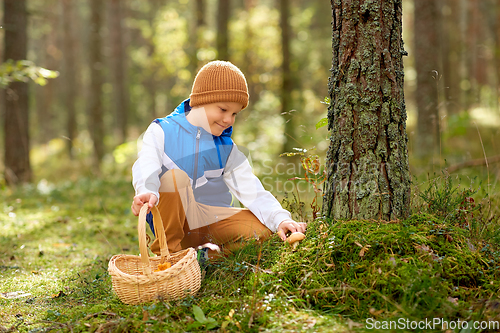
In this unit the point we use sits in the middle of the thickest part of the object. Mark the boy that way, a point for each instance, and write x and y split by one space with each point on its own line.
189 166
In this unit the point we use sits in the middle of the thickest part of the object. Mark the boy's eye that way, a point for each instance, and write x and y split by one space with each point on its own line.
223 109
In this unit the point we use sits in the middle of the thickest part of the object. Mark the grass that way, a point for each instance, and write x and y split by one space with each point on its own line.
57 243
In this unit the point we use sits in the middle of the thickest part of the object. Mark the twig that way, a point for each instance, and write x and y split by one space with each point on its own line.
267 271
473 163
108 314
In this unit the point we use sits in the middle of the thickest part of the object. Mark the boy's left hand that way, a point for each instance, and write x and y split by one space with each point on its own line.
292 226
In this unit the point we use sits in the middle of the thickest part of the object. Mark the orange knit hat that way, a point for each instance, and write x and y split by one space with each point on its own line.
219 81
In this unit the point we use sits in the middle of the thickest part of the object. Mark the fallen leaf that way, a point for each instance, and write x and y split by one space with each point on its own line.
145 315
453 300
363 250
374 312
61 245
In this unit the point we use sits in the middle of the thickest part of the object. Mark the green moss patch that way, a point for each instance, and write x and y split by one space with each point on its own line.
418 268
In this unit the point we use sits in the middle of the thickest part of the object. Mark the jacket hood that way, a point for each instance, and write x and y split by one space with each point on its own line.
182 109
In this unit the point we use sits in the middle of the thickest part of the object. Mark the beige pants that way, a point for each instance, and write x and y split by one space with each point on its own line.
188 223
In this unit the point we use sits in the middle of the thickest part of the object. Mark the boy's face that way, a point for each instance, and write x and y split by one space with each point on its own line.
220 116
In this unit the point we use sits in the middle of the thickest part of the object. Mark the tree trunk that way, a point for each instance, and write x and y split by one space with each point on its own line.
197 27
497 52
120 95
367 161
200 13
96 125
482 45
451 41
427 68
222 33
16 125
469 52
287 83
151 81
70 72
45 99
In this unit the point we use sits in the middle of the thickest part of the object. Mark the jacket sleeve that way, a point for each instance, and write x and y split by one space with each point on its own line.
248 189
147 168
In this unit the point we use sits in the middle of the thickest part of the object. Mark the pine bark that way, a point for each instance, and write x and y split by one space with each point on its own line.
367 161
16 122
427 68
96 125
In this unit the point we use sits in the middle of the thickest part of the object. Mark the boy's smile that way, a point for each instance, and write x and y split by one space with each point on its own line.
214 117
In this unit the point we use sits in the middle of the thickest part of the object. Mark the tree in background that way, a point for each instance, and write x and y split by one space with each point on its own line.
16 126
70 71
367 161
286 81
428 75
450 43
496 34
197 27
45 97
223 13
95 122
118 69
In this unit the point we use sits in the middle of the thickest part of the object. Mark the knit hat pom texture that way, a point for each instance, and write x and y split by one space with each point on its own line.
219 81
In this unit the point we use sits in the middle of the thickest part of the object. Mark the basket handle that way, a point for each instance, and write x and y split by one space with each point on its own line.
159 231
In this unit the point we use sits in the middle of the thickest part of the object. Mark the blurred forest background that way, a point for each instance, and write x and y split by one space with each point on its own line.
123 63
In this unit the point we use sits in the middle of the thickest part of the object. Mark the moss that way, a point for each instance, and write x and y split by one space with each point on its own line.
411 269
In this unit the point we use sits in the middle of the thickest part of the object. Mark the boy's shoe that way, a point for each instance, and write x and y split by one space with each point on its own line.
202 254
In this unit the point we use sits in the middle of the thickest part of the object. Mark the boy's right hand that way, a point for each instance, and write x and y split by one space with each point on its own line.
141 199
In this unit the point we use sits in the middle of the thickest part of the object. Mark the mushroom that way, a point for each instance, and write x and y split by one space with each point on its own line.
295 238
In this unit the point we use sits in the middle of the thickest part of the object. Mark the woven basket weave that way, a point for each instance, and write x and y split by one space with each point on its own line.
134 278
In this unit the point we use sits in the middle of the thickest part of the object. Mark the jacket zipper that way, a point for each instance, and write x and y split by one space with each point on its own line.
195 176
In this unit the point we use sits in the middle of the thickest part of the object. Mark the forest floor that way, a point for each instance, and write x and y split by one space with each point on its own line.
439 270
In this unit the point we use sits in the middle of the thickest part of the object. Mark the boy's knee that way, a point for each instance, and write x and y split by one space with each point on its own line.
174 177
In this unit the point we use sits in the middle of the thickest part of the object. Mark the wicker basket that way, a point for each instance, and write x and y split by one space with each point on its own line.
134 278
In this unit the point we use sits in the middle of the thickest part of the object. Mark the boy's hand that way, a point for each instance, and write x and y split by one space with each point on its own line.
141 199
292 226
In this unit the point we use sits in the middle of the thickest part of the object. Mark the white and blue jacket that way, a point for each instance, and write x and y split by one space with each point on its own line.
214 164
